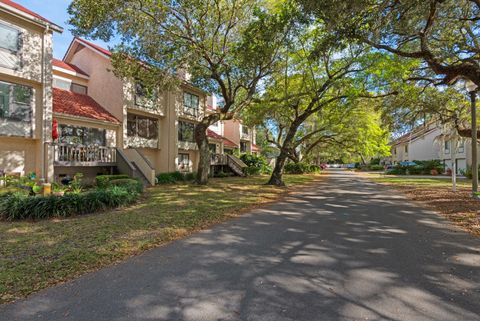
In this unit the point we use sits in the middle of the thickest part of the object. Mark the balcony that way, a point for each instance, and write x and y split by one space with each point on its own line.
80 155
245 136
218 159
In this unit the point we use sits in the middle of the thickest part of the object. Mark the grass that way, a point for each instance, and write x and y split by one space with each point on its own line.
436 193
35 255
437 182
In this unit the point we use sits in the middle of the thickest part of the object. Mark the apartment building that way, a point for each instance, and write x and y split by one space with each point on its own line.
242 135
61 117
429 142
25 90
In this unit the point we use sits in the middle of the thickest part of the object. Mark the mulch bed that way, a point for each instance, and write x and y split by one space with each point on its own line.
458 207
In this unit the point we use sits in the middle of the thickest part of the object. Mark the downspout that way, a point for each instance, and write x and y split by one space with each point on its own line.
44 154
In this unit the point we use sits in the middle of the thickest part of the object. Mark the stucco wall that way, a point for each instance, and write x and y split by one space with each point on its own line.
19 155
425 147
34 70
103 86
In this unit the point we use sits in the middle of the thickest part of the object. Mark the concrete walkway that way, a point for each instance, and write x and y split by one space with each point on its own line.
345 249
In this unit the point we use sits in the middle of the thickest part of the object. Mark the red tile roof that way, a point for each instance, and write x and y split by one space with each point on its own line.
96 47
255 148
226 142
212 134
25 10
68 102
62 64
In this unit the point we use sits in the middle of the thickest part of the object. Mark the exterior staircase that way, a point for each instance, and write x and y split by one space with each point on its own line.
134 164
235 164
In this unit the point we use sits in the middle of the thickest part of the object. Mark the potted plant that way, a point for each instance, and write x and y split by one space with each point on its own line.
58 189
37 189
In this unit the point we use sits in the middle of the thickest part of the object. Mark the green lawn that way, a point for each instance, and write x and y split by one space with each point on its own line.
445 182
35 255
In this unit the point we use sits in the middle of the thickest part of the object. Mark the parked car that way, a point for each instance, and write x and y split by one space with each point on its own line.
408 163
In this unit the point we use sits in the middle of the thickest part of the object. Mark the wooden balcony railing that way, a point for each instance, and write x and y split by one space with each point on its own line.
218 159
81 155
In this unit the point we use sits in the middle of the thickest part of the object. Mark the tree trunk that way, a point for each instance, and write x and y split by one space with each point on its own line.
204 152
276 178
285 152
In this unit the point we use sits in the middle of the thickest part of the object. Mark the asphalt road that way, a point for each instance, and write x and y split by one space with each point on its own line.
344 249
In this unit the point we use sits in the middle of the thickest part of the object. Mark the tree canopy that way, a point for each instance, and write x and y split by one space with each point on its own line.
442 33
228 46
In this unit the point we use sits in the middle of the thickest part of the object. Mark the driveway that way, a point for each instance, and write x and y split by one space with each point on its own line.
343 249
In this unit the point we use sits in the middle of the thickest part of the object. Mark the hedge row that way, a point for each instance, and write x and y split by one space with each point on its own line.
301 168
174 177
17 206
103 180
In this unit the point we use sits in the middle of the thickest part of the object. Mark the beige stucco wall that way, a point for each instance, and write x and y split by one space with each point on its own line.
425 147
117 96
232 130
103 86
19 155
35 70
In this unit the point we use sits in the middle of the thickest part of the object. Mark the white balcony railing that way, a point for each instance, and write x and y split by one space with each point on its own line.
81 155
245 136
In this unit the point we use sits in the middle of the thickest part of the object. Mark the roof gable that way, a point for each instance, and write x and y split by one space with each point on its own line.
74 104
21 8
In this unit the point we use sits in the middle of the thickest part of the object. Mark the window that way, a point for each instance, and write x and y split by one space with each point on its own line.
406 149
186 131
244 130
68 85
461 146
144 97
141 126
190 104
15 109
184 162
243 147
9 38
395 151
447 147
213 148
79 89
82 135
61 84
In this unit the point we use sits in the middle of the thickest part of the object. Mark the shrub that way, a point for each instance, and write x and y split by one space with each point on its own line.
190 176
256 164
425 167
397 170
103 180
222 174
375 167
16 206
128 183
174 177
178 177
301 168
468 172
165 178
